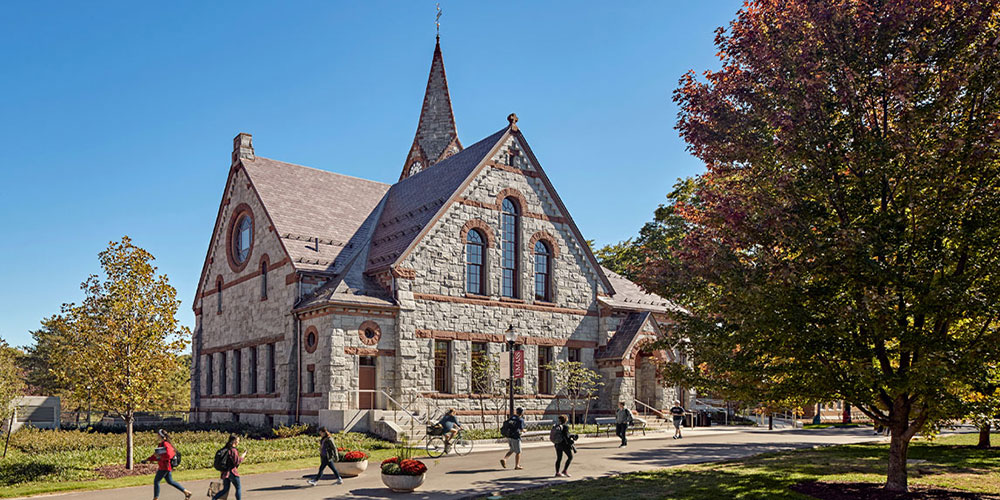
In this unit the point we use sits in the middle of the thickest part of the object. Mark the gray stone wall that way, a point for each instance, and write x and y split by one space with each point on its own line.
244 318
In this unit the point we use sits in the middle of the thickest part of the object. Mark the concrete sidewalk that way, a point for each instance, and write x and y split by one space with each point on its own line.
480 474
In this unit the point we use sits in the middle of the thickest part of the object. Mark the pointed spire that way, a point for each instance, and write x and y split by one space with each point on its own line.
436 137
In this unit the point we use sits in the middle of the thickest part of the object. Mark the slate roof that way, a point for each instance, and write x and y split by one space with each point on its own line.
413 202
627 331
628 295
307 204
436 127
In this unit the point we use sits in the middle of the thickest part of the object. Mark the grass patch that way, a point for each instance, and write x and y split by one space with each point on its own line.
43 461
948 462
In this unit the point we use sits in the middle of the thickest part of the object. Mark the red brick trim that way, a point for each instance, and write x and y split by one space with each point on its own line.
238 212
369 351
546 237
312 394
242 396
524 213
348 311
291 278
310 347
369 325
513 170
499 338
483 228
246 277
403 272
498 303
242 345
512 193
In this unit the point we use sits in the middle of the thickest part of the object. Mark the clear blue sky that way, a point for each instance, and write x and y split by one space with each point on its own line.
117 118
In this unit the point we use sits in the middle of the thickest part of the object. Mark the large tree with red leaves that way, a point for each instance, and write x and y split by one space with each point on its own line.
844 241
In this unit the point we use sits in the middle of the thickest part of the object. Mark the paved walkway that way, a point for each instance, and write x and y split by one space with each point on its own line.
480 474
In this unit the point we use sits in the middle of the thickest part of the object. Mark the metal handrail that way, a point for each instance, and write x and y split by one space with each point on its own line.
654 410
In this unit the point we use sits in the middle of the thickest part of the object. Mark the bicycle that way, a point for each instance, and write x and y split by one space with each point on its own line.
458 444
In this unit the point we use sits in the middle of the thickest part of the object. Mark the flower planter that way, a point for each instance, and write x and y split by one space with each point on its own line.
351 469
403 484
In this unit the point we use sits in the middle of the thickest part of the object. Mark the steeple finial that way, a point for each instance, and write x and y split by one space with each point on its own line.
436 137
437 21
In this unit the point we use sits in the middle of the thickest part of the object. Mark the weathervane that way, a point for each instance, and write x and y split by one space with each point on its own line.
437 20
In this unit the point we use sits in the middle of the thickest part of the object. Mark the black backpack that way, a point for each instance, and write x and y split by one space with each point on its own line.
223 460
175 461
511 428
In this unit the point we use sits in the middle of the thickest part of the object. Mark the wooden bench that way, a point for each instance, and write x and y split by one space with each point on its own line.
608 425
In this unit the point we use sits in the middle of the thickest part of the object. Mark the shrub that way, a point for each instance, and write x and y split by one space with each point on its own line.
285 431
391 469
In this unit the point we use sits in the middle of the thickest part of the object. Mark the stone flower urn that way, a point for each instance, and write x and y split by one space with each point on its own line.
351 469
403 483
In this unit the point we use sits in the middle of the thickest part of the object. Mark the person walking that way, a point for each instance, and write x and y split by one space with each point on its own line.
449 427
164 456
563 441
623 419
230 473
678 412
327 456
512 429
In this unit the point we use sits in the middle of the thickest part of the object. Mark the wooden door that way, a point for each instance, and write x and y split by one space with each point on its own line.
366 383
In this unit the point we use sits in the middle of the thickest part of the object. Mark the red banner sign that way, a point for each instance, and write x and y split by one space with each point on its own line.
518 364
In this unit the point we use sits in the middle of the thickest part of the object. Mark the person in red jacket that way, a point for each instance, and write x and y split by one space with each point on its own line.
232 475
162 457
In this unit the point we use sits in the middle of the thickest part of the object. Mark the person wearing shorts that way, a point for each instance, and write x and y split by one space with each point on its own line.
514 441
677 412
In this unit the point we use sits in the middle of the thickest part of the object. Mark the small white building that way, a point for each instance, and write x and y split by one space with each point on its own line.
37 411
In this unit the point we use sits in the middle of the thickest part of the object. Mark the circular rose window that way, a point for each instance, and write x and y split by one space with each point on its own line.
369 332
312 339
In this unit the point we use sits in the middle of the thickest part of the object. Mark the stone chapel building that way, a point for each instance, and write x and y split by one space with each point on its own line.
323 293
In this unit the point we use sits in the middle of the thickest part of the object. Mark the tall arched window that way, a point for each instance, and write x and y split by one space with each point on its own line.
543 268
263 280
509 246
474 268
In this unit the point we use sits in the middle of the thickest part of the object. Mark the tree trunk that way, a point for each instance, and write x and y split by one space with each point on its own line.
770 421
984 437
129 441
899 443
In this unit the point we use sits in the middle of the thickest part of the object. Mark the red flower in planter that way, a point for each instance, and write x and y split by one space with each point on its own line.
412 467
391 460
354 456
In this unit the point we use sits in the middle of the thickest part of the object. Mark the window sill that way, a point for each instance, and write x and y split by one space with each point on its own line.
513 301
545 303
476 296
311 394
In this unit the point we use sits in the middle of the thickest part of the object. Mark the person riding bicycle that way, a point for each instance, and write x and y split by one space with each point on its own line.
449 427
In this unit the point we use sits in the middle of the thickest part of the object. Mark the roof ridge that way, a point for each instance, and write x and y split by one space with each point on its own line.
321 170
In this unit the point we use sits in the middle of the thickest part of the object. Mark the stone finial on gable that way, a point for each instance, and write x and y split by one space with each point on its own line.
512 120
242 147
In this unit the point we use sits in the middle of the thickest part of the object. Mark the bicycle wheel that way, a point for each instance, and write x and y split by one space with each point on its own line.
435 447
461 445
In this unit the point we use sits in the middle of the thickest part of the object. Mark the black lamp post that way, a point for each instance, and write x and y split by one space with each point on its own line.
511 338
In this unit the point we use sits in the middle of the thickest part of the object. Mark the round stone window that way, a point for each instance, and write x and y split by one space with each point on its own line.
242 237
312 339
369 333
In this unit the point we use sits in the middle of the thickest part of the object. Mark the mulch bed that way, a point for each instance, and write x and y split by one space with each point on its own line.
116 471
869 491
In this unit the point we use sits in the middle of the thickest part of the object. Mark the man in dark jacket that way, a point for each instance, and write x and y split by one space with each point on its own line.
327 456
623 419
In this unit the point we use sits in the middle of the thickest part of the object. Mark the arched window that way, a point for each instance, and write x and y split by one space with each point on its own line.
263 280
508 263
241 239
543 268
474 268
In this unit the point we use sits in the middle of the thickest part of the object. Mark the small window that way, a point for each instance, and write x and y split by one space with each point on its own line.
272 368
574 354
237 372
263 280
474 268
311 380
442 360
509 248
253 370
242 239
543 265
544 373
480 369
312 340
223 387
210 375
218 296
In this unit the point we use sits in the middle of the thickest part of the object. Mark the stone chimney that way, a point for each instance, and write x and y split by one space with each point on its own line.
242 147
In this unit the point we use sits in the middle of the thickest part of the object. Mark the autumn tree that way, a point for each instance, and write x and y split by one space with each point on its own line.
124 340
11 382
843 240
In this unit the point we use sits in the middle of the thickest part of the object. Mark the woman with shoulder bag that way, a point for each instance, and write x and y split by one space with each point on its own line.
163 456
327 456
563 441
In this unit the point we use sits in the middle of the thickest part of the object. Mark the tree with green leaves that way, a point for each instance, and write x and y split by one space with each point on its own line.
843 240
11 382
124 340
578 382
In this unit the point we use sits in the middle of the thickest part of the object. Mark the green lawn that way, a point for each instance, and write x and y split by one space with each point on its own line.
51 461
949 462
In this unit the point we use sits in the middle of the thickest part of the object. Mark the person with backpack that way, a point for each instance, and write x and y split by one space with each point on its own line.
327 456
678 412
166 458
623 419
227 461
559 436
511 430
449 427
